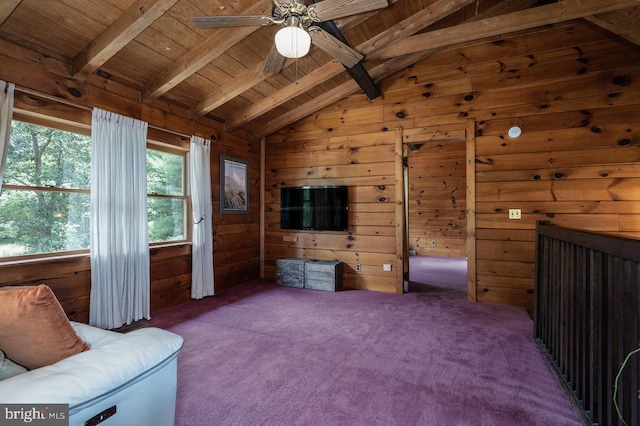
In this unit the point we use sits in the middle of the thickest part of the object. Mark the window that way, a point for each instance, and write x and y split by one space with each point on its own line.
166 199
45 198
44 204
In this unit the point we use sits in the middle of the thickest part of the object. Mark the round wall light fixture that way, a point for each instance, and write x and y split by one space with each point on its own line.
514 132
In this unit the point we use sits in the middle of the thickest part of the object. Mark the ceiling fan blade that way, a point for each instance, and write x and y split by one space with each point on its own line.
231 21
334 9
334 47
274 61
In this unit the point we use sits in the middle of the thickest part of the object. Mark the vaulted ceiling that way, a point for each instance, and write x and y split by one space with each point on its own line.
153 49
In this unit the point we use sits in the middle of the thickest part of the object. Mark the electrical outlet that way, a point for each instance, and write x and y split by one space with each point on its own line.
386 267
358 267
515 214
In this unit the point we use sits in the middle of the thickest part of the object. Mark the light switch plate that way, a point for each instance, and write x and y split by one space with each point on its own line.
386 267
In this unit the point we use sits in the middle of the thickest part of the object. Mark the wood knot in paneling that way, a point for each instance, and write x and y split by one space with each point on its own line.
621 80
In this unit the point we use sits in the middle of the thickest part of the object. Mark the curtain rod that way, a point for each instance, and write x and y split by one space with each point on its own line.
75 104
28 91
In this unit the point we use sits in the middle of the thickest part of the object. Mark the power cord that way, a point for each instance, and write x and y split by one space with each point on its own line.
615 387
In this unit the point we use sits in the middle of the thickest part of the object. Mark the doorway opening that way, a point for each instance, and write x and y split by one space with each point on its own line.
436 213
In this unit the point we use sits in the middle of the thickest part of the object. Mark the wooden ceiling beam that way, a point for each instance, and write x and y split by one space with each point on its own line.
225 93
411 25
358 72
544 15
219 40
6 8
379 72
121 32
214 46
620 23
416 22
310 80
254 76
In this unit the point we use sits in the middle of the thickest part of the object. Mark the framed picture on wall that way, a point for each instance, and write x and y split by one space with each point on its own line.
234 185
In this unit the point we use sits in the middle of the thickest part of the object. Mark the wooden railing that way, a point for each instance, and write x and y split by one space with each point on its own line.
587 319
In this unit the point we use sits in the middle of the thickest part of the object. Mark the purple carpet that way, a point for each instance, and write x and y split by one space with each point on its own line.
441 272
260 354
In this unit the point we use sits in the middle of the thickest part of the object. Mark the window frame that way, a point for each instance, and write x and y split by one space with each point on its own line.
84 129
64 126
185 196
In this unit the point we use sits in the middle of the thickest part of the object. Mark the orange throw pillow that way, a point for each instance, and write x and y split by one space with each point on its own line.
34 329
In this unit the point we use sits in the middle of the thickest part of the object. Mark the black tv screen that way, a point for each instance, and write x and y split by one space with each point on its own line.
319 208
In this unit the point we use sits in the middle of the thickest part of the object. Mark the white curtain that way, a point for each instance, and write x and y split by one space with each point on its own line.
6 114
119 226
202 251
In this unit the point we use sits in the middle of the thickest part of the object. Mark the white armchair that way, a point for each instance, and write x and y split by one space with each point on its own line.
135 372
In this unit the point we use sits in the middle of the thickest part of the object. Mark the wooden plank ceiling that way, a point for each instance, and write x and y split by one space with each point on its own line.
153 48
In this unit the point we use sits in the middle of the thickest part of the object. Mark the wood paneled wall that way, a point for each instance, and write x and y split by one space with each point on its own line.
236 241
364 161
70 278
572 88
437 199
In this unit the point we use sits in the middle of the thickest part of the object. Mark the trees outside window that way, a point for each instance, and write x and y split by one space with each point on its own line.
44 204
45 198
166 199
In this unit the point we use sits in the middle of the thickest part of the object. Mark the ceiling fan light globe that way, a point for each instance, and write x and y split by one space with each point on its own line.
293 42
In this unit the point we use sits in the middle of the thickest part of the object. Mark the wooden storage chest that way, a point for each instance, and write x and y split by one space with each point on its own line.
323 275
309 273
290 272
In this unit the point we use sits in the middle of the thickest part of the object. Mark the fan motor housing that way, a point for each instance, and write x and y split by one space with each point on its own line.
303 15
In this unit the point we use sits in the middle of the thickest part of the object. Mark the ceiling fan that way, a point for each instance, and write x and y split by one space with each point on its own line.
298 30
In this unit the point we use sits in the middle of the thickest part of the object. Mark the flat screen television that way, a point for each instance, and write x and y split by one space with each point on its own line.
318 208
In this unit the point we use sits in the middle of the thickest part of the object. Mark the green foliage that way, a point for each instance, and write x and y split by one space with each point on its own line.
166 219
45 157
164 173
45 219
165 177
39 221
